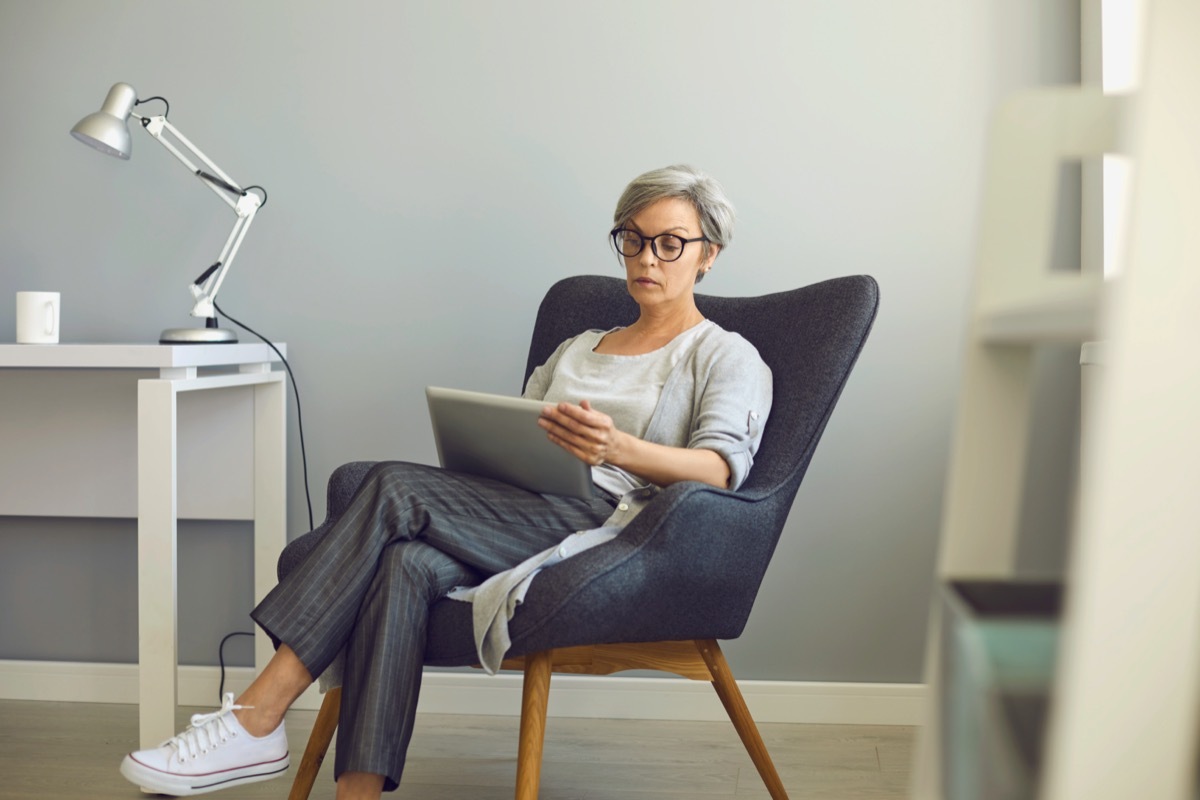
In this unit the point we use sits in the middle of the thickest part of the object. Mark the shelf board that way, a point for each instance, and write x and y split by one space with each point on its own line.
1057 312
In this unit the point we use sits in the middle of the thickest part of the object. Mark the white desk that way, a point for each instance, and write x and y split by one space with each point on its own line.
71 442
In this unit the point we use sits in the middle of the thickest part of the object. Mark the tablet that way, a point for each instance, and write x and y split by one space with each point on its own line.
496 436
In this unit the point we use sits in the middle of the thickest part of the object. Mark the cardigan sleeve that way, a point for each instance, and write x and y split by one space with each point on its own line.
735 389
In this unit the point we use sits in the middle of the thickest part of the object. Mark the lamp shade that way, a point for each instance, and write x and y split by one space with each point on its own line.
107 130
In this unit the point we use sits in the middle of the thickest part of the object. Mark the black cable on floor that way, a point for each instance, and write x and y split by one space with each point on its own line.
221 657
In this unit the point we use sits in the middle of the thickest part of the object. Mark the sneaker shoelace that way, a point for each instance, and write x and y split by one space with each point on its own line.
207 731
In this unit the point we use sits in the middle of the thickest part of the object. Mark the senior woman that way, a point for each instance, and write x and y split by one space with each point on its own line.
672 397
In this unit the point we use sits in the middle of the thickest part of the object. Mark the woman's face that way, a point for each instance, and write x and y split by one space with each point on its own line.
657 284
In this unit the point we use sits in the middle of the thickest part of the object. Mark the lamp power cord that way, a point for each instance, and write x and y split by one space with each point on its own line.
296 392
303 459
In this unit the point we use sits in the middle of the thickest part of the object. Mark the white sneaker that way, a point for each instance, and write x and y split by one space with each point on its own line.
215 752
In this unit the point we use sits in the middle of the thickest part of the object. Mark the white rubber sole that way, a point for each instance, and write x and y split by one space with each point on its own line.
188 785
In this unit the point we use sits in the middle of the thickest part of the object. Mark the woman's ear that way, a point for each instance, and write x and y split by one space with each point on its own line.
713 249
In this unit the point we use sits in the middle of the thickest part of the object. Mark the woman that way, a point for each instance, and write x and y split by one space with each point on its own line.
672 397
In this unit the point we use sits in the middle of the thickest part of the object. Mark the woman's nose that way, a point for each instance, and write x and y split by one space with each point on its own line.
647 255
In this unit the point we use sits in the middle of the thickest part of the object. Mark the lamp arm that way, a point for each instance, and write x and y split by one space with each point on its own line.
245 205
205 290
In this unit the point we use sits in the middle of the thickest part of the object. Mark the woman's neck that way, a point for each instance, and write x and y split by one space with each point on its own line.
666 325
649 333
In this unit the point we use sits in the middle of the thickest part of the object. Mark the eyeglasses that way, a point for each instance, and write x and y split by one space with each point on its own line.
665 246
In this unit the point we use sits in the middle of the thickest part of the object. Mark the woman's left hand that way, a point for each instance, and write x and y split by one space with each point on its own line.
583 431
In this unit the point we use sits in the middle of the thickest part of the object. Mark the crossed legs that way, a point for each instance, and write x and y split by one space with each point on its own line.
410 535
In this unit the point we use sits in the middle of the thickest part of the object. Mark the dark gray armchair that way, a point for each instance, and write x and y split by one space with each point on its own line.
686 571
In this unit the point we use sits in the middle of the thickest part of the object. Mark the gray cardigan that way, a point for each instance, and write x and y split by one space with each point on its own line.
717 398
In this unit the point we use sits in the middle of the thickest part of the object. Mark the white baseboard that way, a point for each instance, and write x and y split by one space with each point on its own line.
612 697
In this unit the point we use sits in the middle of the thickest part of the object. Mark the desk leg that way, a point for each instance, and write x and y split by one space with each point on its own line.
270 497
158 641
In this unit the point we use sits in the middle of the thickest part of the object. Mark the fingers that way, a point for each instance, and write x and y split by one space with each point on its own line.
581 419
584 432
589 452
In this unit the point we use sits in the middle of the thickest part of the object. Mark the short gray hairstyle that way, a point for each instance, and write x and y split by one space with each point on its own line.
702 191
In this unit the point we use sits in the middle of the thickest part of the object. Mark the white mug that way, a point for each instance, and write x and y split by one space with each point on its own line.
37 317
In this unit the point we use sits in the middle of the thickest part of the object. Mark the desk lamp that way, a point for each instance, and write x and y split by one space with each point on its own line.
107 130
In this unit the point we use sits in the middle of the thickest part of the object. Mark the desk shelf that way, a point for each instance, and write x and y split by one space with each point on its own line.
134 356
98 430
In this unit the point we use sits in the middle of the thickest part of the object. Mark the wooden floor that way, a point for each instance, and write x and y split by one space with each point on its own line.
56 751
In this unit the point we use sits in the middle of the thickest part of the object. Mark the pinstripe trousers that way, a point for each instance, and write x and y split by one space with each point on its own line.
411 533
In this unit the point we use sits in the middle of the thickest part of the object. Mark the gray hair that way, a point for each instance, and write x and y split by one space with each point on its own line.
688 183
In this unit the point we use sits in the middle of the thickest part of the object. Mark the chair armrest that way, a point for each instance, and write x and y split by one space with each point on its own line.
339 491
671 574
343 485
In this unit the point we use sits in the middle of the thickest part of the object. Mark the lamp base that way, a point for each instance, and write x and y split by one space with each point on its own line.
197 336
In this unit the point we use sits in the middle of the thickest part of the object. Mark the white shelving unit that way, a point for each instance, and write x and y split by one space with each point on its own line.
1125 702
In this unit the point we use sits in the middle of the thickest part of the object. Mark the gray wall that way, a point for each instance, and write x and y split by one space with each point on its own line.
433 167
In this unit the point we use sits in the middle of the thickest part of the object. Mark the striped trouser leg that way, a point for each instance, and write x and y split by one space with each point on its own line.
382 673
471 527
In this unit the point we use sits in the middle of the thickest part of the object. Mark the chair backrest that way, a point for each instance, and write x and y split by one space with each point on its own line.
809 337
690 565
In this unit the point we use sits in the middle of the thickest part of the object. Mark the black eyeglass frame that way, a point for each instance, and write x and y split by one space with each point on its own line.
653 246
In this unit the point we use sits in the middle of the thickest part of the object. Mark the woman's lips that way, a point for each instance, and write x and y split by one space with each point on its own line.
645 282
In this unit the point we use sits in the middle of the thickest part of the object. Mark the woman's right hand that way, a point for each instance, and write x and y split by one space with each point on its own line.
581 430
591 436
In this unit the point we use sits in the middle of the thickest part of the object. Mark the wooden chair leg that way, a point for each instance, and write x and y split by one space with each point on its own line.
318 745
535 694
739 714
